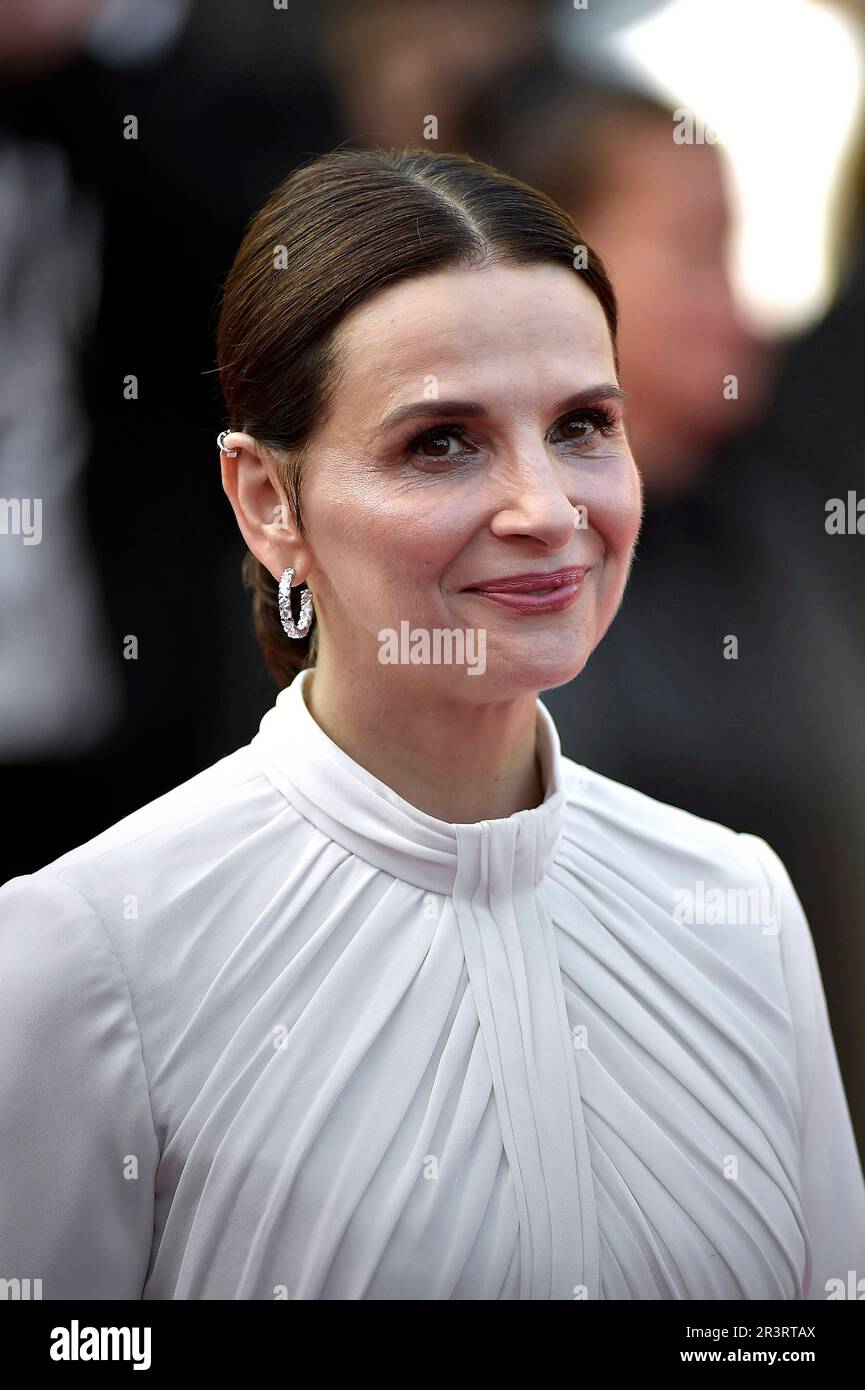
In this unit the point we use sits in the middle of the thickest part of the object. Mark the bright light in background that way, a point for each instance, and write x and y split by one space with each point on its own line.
780 82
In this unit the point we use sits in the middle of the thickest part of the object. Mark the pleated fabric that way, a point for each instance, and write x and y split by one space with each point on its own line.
280 1034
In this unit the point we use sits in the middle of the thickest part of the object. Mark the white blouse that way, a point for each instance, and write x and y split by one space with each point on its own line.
279 1034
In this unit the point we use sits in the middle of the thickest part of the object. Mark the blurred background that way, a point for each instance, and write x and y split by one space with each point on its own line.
714 155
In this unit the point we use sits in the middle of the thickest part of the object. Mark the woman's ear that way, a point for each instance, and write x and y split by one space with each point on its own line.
251 479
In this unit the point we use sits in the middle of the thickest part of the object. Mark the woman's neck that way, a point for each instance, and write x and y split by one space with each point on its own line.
458 761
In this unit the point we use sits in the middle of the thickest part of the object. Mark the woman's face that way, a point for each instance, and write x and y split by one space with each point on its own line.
474 435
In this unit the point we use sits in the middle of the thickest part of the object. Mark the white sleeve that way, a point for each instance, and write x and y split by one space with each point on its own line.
833 1189
78 1148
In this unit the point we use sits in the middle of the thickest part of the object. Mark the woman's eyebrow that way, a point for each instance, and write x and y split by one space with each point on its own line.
608 390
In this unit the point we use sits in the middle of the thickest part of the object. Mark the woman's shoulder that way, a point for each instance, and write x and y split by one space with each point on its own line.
211 808
693 879
116 912
666 840
148 861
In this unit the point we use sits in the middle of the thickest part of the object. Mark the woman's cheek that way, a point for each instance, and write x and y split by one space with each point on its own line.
621 513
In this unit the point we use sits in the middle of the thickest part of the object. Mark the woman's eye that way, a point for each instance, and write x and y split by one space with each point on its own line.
436 444
581 428
576 428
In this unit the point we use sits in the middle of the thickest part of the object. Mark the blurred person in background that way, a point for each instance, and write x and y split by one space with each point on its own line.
395 63
816 421
118 121
60 691
736 659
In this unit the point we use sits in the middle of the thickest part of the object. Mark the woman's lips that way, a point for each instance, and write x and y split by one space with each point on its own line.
535 593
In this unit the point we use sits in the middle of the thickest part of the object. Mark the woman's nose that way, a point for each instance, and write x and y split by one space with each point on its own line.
531 500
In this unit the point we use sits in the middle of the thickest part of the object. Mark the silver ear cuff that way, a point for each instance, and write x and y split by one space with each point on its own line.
220 439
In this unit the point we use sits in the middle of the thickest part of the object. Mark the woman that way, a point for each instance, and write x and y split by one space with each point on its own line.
396 1002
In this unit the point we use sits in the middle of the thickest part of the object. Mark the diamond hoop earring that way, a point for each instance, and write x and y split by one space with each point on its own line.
304 622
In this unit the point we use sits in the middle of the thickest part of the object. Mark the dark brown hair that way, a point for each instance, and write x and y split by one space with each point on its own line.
330 236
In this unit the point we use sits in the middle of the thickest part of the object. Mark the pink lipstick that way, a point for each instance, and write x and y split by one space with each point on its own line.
535 592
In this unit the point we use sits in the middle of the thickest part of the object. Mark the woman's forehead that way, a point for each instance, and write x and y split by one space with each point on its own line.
456 324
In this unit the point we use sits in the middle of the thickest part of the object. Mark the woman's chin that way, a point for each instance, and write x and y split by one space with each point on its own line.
507 675
550 674
541 664
480 664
